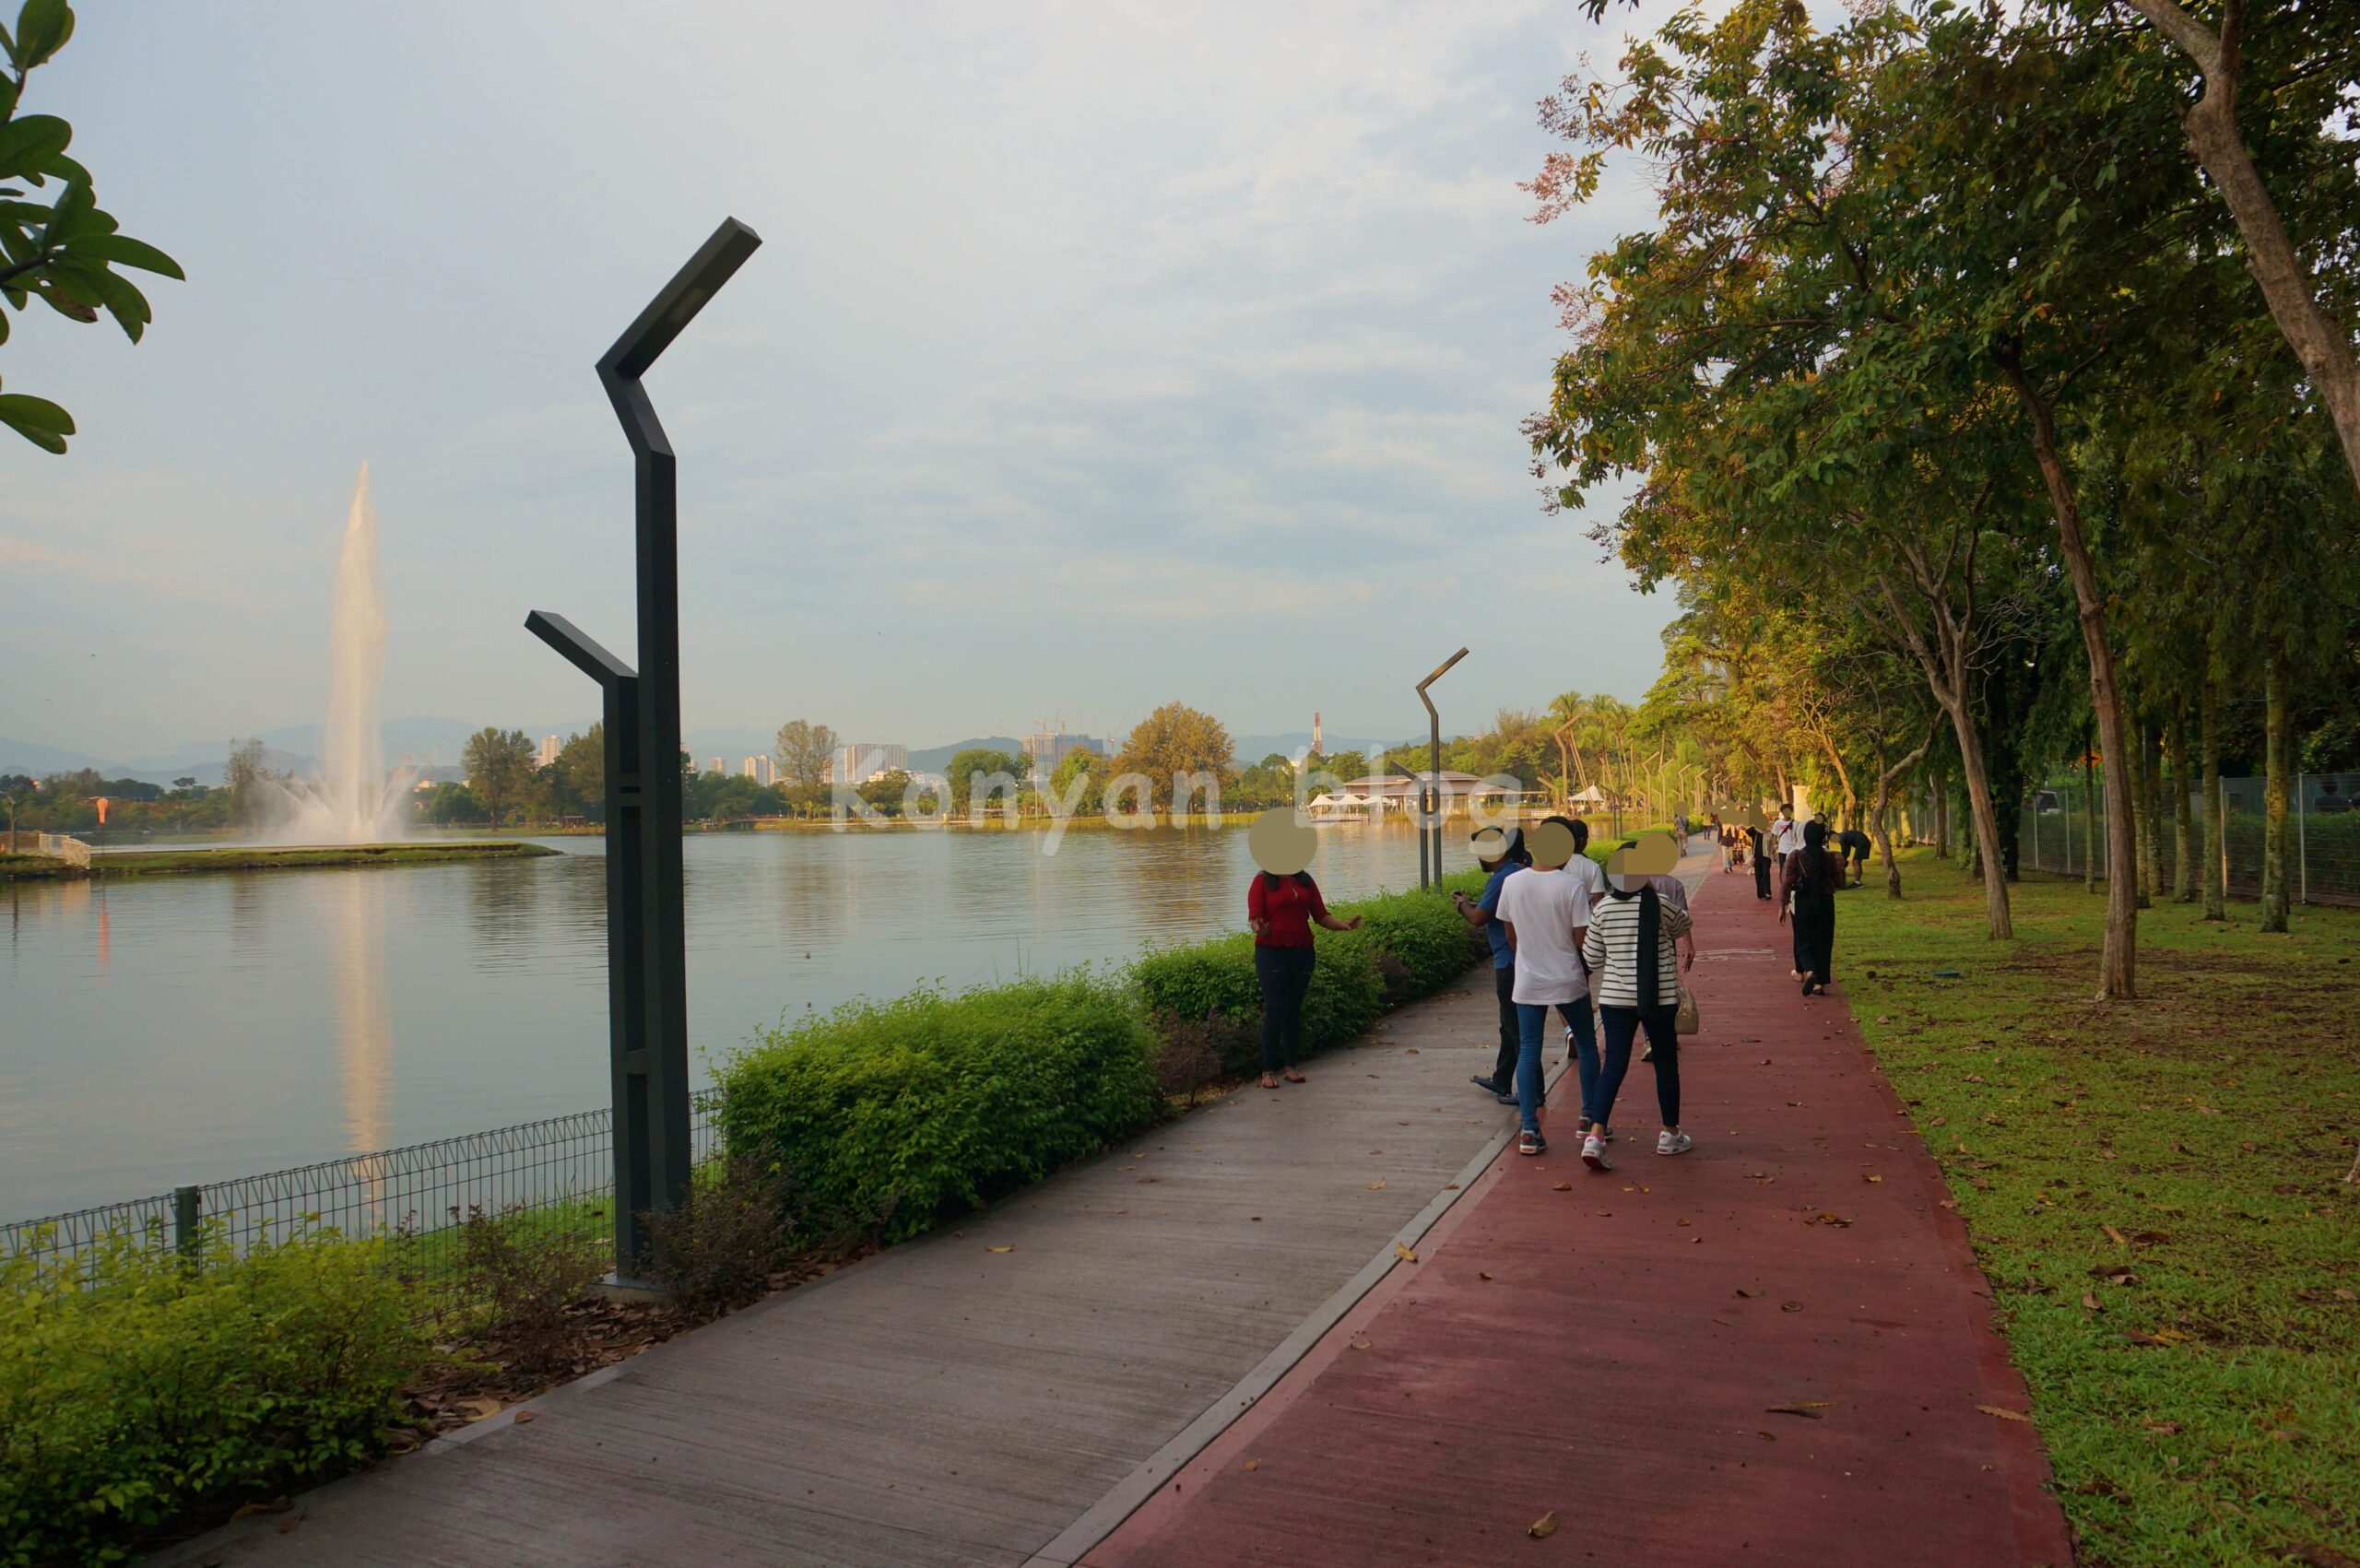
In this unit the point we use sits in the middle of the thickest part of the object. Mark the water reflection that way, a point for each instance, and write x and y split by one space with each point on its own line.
246 1023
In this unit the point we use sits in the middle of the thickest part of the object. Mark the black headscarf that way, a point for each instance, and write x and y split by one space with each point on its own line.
1516 853
1814 855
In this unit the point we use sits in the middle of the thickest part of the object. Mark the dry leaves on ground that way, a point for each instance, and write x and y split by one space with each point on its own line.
1807 1408
1404 1252
2004 1415
1542 1528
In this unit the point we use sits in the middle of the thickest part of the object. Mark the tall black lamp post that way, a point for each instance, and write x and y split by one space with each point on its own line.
647 1002
1430 797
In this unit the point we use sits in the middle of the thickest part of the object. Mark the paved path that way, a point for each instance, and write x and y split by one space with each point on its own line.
943 1403
1614 1354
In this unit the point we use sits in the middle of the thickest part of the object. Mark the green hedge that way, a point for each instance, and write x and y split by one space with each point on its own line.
884 1114
158 1392
1409 947
887 1116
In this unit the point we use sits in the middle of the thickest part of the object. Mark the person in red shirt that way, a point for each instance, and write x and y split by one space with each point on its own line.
1280 909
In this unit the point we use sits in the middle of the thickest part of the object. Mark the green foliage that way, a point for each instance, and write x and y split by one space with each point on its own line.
64 251
885 1114
1409 946
161 1392
719 1248
529 1273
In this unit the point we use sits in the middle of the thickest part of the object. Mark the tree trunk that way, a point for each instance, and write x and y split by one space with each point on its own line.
2183 813
1998 924
1877 813
1942 817
2089 822
2323 346
2216 815
2151 812
2277 781
2118 963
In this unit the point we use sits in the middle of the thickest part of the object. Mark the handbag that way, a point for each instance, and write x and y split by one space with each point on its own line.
1685 1018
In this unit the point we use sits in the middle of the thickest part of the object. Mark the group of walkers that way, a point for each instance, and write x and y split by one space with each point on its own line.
1554 920
1559 930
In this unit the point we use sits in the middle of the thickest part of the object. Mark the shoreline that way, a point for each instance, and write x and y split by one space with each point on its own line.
106 866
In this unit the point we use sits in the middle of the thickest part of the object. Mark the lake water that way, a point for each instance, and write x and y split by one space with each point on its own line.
190 1029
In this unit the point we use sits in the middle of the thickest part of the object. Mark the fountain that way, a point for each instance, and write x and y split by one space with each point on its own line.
355 800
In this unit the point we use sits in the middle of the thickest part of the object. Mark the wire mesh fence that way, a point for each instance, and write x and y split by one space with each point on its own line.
2062 830
553 1179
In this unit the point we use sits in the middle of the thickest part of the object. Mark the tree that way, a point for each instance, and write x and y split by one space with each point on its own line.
804 751
245 775
581 771
990 771
500 769
2299 104
1174 742
64 252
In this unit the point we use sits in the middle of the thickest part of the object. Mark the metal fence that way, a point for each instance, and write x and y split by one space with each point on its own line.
2322 837
556 1177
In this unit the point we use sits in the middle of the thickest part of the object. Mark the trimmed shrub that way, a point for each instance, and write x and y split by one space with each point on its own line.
883 1116
1417 940
160 1391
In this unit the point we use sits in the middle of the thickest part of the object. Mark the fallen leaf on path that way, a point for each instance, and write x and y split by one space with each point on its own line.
999 1249
1688 1221
1809 1408
1824 1219
1481 1273
1542 1528
1253 1464
1562 1186
523 1415
1749 1295
1871 1177
2003 1414
1363 1344
1790 1306
1377 1185
249 1510
1404 1253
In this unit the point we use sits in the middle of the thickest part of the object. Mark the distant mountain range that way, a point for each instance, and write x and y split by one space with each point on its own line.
436 743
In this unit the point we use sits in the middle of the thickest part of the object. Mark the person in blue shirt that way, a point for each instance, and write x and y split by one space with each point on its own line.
1501 853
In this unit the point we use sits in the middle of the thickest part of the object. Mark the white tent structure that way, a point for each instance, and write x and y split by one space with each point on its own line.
1588 796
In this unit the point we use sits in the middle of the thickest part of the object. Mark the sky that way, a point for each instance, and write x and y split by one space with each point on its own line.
1098 356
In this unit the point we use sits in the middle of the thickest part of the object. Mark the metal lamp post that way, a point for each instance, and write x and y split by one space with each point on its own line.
647 1009
1430 797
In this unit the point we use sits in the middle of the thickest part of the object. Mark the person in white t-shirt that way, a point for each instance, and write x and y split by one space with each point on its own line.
1546 913
1786 832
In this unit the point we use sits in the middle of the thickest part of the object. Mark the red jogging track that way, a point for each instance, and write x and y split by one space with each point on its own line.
1615 1354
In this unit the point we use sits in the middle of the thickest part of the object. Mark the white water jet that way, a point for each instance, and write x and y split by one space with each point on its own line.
355 799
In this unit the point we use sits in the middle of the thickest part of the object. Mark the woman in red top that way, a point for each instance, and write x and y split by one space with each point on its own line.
1280 909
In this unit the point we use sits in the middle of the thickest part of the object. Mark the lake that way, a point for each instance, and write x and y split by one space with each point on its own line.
189 1029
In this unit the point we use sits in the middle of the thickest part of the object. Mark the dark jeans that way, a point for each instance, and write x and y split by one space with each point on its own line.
1285 973
1761 878
1622 1024
1504 1070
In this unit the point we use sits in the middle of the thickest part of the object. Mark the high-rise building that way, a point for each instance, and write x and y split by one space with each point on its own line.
860 760
712 765
762 770
550 746
1314 734
1048 746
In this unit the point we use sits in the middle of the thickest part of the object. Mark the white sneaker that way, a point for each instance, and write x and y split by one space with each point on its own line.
1669 1143
1593 1153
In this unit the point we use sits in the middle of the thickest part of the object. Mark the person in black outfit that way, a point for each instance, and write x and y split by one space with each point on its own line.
1855 846
1812 876
1761 863
1501 855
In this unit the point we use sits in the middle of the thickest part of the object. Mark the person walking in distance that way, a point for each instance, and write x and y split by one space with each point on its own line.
1760 843
1808 883
1545 911
1500 854
1786 833
1281 907
1629 943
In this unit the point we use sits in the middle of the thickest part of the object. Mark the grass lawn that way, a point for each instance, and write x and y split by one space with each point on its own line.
2155 1190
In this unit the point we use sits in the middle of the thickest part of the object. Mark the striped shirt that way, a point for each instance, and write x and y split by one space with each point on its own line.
1612 949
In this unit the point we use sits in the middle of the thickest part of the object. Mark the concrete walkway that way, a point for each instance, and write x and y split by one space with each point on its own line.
1772 1350
948 1403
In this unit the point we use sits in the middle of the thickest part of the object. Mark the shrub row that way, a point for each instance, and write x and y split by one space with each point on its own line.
157 1391
885 1116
